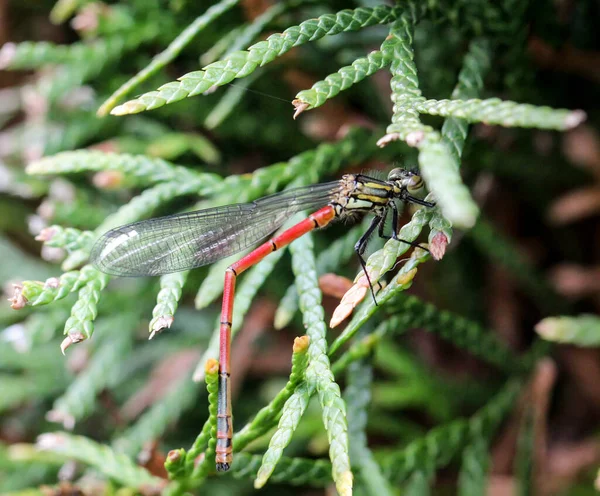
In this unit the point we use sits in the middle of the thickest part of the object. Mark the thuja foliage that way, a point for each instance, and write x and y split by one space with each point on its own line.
372 84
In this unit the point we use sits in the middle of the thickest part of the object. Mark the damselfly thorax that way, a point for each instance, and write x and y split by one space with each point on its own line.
360 193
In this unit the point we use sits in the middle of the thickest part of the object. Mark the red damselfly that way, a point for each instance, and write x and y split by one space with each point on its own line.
185 241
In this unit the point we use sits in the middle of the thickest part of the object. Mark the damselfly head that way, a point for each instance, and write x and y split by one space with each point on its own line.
406 180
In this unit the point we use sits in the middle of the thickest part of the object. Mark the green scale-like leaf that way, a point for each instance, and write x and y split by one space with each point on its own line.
318 372
69 238
267 416
358 399
80 325
167 300
138 170
295 471
503 113
157 419
441 444
163 58
201 470
291 413
63 9
105 460
405 82
101 372
472 480
243 63
42 293
333 84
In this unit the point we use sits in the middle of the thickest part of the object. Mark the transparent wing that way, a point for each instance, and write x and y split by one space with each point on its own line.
184 241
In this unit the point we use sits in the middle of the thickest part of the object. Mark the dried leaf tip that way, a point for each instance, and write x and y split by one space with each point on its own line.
420 251
387 139
334 285
300 107
414 138
18 300
175 455
162 322
88 18
71 339
211 90
438 245
301 344
597 482
67 420
108 179
580 330
49 441
211 367
351 299
344 483
130 107
549 328
7 54
407 277
52 282
575 118
46 234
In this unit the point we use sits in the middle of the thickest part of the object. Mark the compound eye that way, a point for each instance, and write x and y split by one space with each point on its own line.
414 184
396 174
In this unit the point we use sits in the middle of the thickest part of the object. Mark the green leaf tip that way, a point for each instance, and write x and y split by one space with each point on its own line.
175 463
339 81
582 330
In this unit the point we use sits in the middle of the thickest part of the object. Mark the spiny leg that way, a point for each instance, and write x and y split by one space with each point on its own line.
361 245
224 448
382 226
395 229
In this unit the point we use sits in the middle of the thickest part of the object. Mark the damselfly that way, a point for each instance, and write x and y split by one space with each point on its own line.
185 241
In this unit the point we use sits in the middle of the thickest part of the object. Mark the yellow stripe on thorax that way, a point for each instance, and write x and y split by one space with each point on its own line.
377 186
372 198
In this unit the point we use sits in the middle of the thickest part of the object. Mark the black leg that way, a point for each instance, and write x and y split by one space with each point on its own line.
360 247
395 228
394 219
418 201
361 244
382 225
